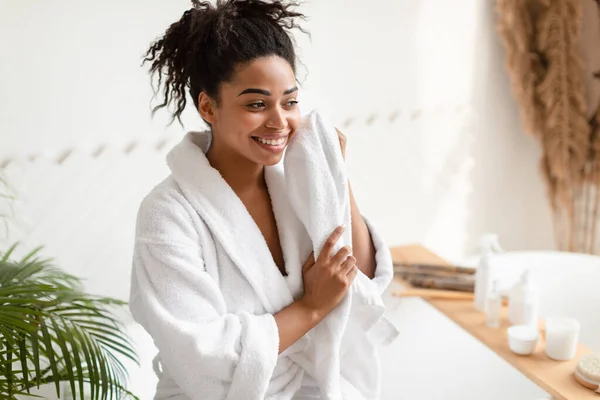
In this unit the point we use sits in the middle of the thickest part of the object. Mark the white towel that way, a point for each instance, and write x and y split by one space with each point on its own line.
317 187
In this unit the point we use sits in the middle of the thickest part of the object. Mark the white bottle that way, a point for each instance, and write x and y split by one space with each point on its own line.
483 275
493 308
524 302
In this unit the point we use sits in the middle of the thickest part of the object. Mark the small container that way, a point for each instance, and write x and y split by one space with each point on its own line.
493 308
562 337
524 302
484 272
522 339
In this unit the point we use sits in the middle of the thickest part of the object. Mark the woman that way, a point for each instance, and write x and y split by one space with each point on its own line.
193 238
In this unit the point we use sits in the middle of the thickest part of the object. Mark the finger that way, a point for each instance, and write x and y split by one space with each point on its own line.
329 244
348 265
352 274
309 263
341 255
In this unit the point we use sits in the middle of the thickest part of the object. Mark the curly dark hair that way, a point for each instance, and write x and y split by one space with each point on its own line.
202 49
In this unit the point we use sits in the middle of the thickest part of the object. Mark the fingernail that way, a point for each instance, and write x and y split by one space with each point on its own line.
341 228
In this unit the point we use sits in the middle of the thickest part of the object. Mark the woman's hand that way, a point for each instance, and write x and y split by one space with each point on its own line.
343 141
327 279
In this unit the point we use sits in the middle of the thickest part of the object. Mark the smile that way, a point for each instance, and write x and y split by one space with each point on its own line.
271 142
273 145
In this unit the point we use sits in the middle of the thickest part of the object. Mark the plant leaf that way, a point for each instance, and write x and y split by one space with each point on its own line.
59 331
80 337
76 355
24 367
11 322
36 357
103 370
8 373
91 367
8 253
31 254
50 354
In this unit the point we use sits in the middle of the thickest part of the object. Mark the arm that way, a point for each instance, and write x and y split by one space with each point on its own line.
362 245
372 254
293 322
325 283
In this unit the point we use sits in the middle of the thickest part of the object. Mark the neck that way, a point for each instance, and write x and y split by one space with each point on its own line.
239 172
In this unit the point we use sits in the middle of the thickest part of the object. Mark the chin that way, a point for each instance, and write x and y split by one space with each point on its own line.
270 161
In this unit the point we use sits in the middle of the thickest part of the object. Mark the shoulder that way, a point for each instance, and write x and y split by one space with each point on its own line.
165 215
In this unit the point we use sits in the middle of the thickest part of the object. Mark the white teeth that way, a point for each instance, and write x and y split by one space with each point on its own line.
277 142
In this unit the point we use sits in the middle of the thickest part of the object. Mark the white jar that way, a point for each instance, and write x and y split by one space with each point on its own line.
562 337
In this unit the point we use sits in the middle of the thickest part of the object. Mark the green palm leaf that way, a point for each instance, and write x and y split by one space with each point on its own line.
51 331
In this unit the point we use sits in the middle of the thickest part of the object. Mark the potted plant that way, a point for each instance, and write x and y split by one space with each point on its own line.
52 332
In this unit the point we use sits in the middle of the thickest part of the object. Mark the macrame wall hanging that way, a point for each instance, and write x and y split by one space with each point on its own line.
553 59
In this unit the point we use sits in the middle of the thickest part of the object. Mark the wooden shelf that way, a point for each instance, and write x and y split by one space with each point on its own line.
555 377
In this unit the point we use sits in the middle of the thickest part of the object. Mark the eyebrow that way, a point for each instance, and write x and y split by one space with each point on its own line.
266 92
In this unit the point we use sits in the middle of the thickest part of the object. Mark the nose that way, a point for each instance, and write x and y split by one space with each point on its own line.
277 119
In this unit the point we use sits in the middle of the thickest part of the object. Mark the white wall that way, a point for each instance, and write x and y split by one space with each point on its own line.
436 151
454 162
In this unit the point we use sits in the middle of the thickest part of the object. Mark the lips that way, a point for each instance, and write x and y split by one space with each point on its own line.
273 144
273 141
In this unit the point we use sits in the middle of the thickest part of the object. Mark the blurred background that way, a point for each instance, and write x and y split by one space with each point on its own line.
437 152
436 147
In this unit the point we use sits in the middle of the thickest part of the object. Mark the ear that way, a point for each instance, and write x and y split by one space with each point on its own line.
207 108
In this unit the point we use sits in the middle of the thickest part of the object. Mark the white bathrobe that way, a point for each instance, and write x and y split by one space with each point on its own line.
205 287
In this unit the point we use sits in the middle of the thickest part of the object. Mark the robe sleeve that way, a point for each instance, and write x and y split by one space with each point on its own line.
384 268
210 353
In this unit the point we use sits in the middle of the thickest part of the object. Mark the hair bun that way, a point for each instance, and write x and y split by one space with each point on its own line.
278 12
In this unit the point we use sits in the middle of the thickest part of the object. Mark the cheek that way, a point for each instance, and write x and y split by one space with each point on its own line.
240 121
251 120
294 120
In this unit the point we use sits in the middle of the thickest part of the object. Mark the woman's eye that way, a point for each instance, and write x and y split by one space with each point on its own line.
292 103
256 105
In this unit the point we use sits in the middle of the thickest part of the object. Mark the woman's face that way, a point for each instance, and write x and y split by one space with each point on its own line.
258 112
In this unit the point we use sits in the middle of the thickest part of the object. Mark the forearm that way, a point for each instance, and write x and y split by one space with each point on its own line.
293 322
362 245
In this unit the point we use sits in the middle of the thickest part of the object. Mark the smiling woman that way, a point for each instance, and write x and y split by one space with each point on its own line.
257 112
222 286
272 142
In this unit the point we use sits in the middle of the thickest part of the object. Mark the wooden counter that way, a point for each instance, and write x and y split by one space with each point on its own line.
554 377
